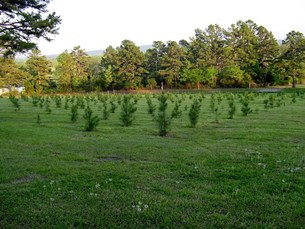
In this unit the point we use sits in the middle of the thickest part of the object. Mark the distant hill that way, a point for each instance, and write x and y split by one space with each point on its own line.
99 52
90 53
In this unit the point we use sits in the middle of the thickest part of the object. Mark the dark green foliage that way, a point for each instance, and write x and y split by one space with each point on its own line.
24 98
25 20
136 98
245 108
293 98
41 102
58 102
128 109
232 106
47 106
38 119
215 105
280 100
163 119
91 120
269 103
15 101
67 99
177 112
119 99
74 113
35 100
106 111
186 107
194 112
80 102
151 106
113 106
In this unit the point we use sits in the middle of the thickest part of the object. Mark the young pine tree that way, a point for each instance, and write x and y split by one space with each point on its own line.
74 113
106 111
177 112
194 112
47 106
215 106
232 106
163 119
15 101
113 106
245 108
151 107
91 121
128 109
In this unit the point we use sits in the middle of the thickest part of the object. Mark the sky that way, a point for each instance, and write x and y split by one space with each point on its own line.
96 24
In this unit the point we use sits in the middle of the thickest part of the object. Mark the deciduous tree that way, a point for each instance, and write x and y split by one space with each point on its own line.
10 73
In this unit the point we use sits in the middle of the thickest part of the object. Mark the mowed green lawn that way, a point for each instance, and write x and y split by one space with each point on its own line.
246 172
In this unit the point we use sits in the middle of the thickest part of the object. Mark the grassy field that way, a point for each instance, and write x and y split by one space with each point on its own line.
245 172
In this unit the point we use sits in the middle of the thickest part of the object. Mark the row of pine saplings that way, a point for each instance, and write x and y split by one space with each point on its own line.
160 114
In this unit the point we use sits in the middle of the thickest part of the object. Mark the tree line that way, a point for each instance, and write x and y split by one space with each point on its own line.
244 55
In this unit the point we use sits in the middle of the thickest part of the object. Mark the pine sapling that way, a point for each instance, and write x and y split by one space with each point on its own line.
128 109
232 106
47 106
163 119
269 103
215 106
15 101
91 121
24 98
194 112
41 102
35 100
177 112
106 111
74 113
151 106
293 98
67 99
245 106
113 106
57 101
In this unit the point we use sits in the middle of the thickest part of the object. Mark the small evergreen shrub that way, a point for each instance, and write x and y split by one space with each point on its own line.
245 108
163 119
177 112
232 106
15 101
151 107
58 102
128 109
215 106
35 100
113 106
91 120
106 111
194 112
74 113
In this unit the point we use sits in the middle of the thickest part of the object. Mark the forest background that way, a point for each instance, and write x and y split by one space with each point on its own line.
243 55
